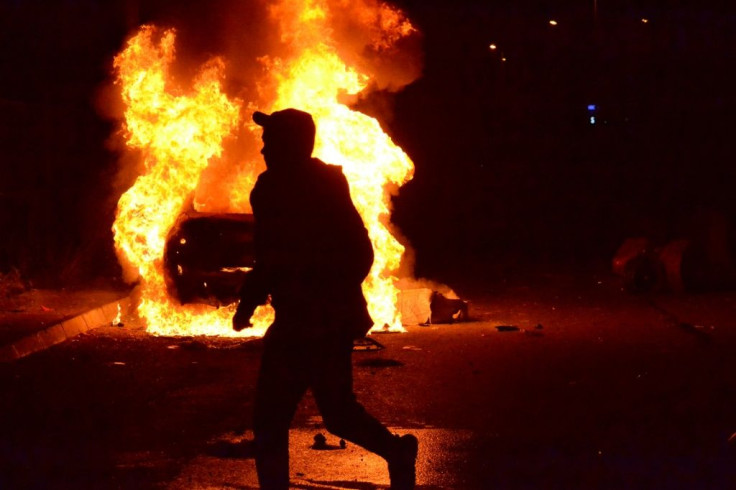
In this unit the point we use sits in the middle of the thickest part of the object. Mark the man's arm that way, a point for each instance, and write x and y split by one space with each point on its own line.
254 291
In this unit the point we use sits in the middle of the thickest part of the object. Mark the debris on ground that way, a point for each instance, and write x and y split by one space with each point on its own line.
380 362
423 302
320 443
447 310
367 344
202 343
414 305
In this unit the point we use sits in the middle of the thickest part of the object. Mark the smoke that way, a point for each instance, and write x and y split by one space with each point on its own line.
380 40
373 36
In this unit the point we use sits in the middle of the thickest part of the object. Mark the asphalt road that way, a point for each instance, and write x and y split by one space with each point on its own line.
596 389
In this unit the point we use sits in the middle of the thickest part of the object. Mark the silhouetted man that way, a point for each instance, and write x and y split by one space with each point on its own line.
312 254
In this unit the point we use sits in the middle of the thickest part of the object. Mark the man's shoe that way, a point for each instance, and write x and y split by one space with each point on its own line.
401 464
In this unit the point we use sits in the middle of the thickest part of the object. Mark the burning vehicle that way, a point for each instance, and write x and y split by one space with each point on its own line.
198 150
207 256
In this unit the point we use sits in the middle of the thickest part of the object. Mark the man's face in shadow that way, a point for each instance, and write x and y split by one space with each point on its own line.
286 145
273 149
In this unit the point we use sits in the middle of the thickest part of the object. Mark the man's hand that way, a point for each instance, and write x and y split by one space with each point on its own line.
242 316
252 295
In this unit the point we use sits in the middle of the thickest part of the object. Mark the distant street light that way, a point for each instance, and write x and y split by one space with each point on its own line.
553 22
492 47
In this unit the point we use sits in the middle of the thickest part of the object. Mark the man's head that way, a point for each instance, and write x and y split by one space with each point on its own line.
288 135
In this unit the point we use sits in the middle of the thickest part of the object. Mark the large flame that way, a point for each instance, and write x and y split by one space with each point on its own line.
179 133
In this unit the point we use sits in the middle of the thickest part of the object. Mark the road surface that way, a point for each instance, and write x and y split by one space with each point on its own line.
596 389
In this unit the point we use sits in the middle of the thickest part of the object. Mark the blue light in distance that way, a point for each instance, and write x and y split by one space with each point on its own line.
592 107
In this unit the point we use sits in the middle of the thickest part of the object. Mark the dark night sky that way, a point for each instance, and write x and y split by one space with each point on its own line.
508 164
530 175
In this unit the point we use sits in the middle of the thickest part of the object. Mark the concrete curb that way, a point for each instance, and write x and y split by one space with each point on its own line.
64 330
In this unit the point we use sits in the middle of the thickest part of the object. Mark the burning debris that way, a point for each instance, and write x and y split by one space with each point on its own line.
447 310
426 306
118 320
184 131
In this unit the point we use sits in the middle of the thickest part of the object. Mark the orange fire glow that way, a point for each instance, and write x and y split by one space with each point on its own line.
180 131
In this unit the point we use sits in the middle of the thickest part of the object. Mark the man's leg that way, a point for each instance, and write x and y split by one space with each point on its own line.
280 387
331 379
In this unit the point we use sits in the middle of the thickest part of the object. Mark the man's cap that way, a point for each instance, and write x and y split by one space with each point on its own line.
287 122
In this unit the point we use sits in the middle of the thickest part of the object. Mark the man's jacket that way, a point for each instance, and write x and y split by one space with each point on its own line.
312 252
